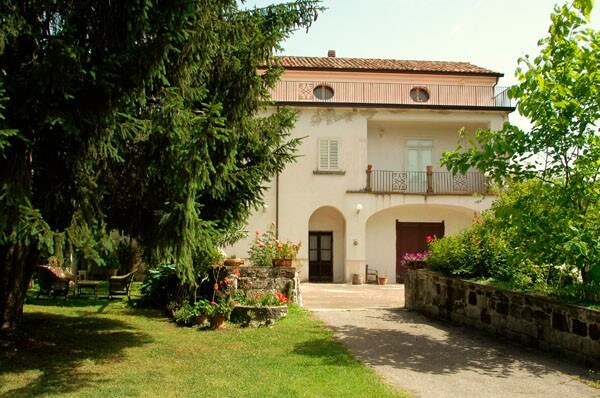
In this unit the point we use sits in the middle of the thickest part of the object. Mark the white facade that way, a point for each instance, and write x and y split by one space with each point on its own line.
326 190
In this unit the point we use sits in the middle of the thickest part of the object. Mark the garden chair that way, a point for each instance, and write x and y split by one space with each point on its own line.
371 275
54 281
120 285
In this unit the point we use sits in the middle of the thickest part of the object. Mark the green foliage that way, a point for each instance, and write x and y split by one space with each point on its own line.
185 315
161 286
137 116
520 242
475 252
559 91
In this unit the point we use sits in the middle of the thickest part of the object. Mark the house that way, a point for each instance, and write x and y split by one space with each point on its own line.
368 185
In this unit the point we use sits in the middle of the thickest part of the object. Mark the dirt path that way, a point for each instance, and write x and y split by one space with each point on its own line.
433 359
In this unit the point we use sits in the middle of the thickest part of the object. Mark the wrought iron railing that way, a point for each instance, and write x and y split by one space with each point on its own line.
422 182
427 95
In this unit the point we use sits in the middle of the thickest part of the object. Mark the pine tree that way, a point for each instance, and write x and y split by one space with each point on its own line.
137 115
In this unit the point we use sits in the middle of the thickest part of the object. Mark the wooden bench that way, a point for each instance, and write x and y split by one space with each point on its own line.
371 275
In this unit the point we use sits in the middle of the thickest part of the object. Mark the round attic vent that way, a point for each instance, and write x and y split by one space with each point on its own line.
419 94
323 92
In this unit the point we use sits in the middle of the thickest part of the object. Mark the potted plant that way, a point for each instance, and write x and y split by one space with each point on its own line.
219 313
233 261
263 308
285 253
412 261
382 279
202 308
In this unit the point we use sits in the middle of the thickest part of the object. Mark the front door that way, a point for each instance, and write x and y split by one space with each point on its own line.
411 237
320 256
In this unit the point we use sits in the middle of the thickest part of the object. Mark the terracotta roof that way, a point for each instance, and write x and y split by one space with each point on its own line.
384 65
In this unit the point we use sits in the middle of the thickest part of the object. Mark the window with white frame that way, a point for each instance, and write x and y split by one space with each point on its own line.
329 154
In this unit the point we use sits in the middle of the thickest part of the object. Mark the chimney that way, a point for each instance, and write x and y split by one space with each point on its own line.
331 54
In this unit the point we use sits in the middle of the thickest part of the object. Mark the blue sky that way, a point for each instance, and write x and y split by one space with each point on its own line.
489 33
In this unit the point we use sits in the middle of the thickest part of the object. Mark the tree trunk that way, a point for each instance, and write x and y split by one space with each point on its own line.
16 268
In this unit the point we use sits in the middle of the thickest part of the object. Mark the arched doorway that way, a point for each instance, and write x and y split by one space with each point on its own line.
326 242
415 221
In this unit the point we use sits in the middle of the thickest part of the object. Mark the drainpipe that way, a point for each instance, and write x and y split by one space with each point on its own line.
277 206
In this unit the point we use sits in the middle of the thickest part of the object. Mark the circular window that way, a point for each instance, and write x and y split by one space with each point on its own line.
419 94
323 92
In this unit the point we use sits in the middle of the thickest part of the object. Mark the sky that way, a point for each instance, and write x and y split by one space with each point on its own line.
492 34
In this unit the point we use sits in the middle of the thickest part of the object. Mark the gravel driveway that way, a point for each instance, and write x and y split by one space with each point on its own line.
434 359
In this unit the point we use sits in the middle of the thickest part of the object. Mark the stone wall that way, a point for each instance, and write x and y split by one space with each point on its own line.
535 321
260 279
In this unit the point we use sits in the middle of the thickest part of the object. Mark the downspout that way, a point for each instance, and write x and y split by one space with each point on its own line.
277 206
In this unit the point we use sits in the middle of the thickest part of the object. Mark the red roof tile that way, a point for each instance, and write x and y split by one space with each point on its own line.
383 65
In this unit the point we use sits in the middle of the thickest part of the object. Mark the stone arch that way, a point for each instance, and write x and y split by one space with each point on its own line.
329 219
381 229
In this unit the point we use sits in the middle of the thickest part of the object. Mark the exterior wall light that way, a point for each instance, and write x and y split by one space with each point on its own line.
359 207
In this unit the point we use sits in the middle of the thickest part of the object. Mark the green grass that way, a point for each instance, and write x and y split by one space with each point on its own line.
100 348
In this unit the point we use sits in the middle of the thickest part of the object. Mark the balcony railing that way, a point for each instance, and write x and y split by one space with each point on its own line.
426 95
425 182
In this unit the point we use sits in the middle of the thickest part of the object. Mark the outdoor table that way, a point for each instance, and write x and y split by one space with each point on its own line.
90 285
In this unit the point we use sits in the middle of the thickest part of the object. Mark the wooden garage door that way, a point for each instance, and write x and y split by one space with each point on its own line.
411 237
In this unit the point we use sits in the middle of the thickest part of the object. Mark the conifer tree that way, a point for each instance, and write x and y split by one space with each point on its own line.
137 115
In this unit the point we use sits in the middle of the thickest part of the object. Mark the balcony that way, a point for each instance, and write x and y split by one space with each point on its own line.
392 95
425 182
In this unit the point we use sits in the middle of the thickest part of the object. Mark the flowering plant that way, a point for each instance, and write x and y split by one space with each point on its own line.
409 258
265 299
220 308
266 247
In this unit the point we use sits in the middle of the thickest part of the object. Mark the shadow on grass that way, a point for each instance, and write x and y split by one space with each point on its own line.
50 352
329 353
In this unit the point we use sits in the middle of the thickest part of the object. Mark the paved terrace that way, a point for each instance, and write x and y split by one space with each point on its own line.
433 359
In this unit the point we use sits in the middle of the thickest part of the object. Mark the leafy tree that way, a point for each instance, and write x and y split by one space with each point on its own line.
559 91
137 115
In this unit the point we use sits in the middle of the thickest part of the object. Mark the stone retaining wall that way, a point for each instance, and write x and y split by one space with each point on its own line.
535 321
260 279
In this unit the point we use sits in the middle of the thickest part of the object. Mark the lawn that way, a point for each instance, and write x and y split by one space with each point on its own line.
99 348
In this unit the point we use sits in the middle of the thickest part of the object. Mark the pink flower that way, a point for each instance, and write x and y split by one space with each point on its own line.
213 303
261 244
216 286
429 239
257 232
227 280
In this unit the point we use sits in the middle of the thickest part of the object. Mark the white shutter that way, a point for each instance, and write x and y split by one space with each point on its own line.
334 150
329 154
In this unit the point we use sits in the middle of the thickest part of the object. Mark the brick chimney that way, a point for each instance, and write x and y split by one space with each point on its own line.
331 54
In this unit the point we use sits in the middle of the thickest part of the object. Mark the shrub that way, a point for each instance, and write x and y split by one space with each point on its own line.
161 286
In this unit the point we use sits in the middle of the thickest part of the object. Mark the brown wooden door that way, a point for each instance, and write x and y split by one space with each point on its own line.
320 256
411 237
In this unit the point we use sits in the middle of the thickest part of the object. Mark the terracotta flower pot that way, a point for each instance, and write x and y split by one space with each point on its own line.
217 321
200 319
282 262
233 262
382 280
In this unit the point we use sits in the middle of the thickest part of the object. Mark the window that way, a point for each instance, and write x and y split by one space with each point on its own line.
329 154
419 94
323 92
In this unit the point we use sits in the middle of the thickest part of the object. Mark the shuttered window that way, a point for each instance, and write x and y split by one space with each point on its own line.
329 154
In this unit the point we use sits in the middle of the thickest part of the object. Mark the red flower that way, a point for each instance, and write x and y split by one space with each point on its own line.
213 303
429 239
257 232
216 286
236 272
227 280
